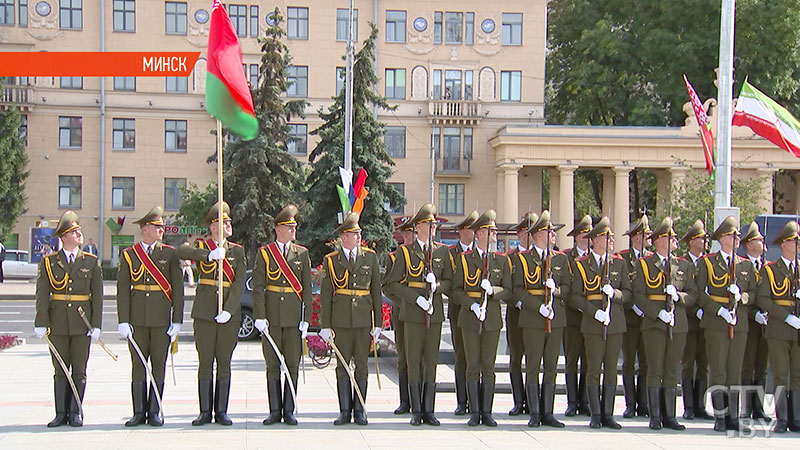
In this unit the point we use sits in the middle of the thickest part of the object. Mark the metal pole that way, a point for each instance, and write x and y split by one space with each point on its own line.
101 214
433 173
348 95
722 188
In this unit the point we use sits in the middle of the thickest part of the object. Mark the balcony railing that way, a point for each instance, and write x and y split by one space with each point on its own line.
20 96
455 109
452 165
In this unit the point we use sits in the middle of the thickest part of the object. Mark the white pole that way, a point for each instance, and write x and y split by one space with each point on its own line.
348 95
722 188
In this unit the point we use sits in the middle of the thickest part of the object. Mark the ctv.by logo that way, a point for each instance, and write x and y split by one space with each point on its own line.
750 428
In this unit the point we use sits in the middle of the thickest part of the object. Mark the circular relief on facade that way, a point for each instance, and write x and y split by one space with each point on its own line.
420 24
43 9
201 16
487 26
271 19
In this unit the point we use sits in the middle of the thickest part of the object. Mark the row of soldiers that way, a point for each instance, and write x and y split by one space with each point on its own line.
644 304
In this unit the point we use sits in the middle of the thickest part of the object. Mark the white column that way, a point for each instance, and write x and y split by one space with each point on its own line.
663 191
765 199
677 177
566 203
510 201
608 192
498 199
621 219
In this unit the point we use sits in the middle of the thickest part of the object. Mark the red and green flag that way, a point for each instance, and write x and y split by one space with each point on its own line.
227 94
767 119
705 128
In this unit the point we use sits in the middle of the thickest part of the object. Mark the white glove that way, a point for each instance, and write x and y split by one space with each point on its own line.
303 327
550 284
94 333
476 308
664 316
546 312
431 279
486 285
797 294
326 334
125 330
761 318
223 317
376 333
262 325
173 330
638 311
699 314
423 303
725 314
672 291
793 321
609 291
518 305
602 316
734 289
40 331
216 254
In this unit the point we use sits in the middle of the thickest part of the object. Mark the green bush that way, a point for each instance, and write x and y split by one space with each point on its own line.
109 272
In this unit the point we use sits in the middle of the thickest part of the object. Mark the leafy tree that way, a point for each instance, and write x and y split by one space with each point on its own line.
13 173
196 203
368 152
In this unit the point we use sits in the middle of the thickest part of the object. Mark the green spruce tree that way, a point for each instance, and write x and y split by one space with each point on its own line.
13 171
368 152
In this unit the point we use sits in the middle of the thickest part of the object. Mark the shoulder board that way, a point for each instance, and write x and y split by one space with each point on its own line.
52 254
168 246
558 252
648 252
199 239
128 248
233 244
681 258
89 255
709 255
407 245
453 246
393 253
300 247
583 258
623 251
499 255
438 244
333 253
263 247
367 249
468 252
771 263
616 257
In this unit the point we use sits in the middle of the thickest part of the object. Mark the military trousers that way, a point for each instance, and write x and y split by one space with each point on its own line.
694 364
516 348
154 344
422 351
458 342
399 339
539 347
756 354
74 350
725 357
480 351
573 343
784 357
633 346
663 357
354 343
215 342
288 341
602 357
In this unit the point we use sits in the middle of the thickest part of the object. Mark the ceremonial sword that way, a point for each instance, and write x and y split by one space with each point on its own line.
284 368
149 374
350 373
99 341
61 363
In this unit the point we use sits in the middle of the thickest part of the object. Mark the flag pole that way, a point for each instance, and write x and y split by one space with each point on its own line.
722 172
220 236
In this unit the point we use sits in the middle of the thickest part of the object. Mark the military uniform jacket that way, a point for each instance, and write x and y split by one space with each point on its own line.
632 266
528 279
150 307
753 306
62 287
397 302
649 283
454 253
407 280
206 301
586 296
776 297
466 289
713 279
274 298
350 295
573 315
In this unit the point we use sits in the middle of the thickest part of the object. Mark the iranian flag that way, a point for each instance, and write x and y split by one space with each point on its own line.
767 119
227 94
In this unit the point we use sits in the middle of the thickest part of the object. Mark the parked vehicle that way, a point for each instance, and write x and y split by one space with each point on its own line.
17 265
769 225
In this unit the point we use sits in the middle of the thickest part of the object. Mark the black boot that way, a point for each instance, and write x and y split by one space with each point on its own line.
402 387
572 394
461 394
642 407
596 420
359 417
583 397
718 403
607 414
687 393
473 396
274 398
700 412
345 393
732 417
75 418
288 403
415 395
221 396
532 392
487 399
629 387
654 403
63 399
428 402
139 396
154 412
517 393
758 405
794 408
747 399
548 396
781 410
669 421
205 392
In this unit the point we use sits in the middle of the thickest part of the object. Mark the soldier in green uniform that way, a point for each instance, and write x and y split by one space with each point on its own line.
694 364
281 306
351 298
664 325
419 276
150 309
754 366
541 299
601 293
481 281
466 236
634 383
406 229
778 295
716 290
513 330
574 349
68 279
216 330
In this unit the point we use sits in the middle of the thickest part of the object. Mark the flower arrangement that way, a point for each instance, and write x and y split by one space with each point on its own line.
8 341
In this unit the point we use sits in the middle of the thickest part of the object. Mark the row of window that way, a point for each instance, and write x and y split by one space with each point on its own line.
123 192
451 199
70 134
454 28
